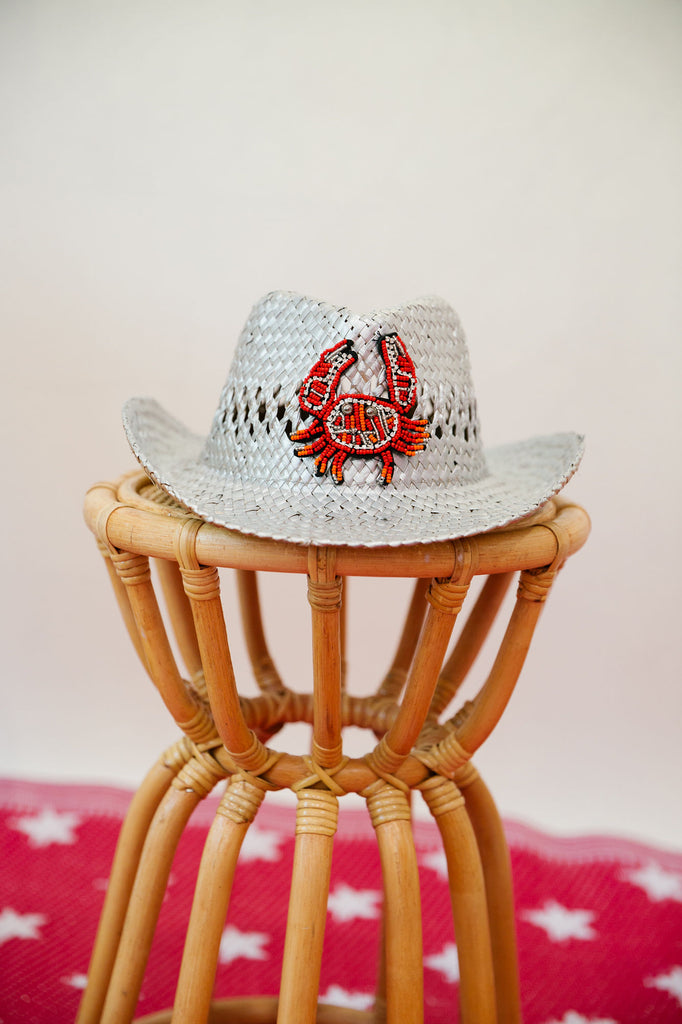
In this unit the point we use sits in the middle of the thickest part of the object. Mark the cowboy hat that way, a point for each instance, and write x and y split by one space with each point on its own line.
338 428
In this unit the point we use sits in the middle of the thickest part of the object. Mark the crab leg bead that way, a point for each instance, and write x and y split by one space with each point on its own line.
305 433
337 466
322 460
387 469
312 449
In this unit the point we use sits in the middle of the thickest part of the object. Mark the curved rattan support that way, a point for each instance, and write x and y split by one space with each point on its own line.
324 596
180 612
468 897
235 813
202 586
264 669
122 876
470 641
494 854
393 682
487 707
445 599
401 975
316 821
190 715
192 783
263 1010
135 521
137 526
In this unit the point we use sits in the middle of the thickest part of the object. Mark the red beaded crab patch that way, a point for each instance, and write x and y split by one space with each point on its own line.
360 425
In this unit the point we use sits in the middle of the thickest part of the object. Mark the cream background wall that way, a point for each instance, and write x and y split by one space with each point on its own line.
164 164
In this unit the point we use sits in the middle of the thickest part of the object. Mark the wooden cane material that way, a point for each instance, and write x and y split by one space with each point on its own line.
470 641
392 685
492 845
263 1010
316 822
211 900
403 968
468 896
122 876
140 530
324 597
489 704
134 521
191 785
264 670
190 716
180 612
445 599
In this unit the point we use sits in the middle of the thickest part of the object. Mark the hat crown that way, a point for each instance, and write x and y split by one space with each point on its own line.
280 344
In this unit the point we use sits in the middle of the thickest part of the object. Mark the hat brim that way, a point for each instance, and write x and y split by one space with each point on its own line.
522 476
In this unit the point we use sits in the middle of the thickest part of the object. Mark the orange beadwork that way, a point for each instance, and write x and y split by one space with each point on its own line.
360 425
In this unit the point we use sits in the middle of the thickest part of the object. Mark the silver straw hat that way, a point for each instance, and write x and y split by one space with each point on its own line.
334 428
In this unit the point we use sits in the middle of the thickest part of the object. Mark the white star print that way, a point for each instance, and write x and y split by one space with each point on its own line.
76 980
446 962
670 983
338 996
235 944
571 1017
346 904
437 861
560 923
19 926
261 844
657 883
48 827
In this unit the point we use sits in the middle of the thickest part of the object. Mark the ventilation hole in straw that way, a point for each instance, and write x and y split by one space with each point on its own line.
438 431
281 409
262 411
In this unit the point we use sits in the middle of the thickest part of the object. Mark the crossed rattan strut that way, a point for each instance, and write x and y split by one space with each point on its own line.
225 737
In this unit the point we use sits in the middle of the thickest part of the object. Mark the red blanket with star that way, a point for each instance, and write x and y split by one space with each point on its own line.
599 919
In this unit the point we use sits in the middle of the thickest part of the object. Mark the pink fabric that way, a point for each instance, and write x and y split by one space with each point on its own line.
599 919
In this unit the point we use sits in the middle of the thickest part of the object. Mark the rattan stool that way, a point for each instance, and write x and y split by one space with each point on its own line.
225 737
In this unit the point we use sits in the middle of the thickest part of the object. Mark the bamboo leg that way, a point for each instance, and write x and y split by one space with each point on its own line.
190 786
471 640
190 716
324 596
128 849
492 845
211 900
267 676
202 586
123 602
394 680
343 634
403 964
316 821
468 896
445 599
493 697
180 613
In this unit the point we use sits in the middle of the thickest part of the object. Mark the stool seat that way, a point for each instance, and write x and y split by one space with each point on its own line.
421 745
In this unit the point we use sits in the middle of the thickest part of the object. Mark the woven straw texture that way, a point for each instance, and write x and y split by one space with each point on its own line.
246 475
